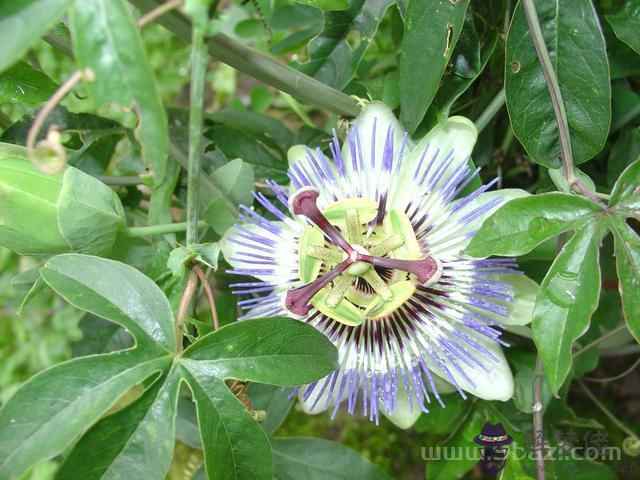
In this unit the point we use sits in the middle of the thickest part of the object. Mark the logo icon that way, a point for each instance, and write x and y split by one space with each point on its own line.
494 440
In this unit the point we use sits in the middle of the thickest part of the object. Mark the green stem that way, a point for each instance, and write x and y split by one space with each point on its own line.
599 339
160 229
606 411
494 107
554 88
259 66
538 442
196 107
123 180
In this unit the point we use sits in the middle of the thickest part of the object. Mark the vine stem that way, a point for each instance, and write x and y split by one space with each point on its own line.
554 88
161 229
615 377
56 98
606 411
196 107
566 152
207 288
599 339
494 107
185 301
160 10
260 66
538 432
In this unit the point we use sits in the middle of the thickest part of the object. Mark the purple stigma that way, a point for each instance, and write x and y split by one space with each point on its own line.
303 202
424 269
297 300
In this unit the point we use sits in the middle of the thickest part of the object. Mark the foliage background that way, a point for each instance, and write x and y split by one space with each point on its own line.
361 51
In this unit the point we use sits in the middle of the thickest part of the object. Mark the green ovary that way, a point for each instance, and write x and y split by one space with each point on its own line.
361 292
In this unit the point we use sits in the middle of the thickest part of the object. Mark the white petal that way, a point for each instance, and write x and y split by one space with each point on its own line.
279 264
321 403
406 414
454 233
496 383
525 292
456 136
369 177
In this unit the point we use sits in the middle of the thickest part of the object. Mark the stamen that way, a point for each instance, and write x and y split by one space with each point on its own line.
385 246
424 268
378 284
325 254
304 202
354 229
297 300
340 287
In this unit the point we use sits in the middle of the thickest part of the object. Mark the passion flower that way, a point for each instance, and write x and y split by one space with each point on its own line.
372 256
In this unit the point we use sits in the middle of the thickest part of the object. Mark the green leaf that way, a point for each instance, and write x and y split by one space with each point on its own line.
332 59
431 30
577 50
187 423
623 153
469 58
265 129
22 22
89 213
181 257
278 351
297 458
560 181
275 401
443 469
236 180
234 445
23 84
625 195
521 224
626 23
627 252
100 336
326 4
58 404
107 41
136 441
235 143
568 297
114 291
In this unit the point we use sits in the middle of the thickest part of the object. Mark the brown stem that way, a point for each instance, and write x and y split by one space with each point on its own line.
189 291
160 10
207 288
538 433
56 98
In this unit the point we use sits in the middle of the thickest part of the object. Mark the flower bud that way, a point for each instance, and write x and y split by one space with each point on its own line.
48 214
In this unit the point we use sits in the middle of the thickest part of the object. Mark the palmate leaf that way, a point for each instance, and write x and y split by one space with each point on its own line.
625 201
298 458
55 407
570 291
568 297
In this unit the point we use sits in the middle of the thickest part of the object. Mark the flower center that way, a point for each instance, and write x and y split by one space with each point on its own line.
367 275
